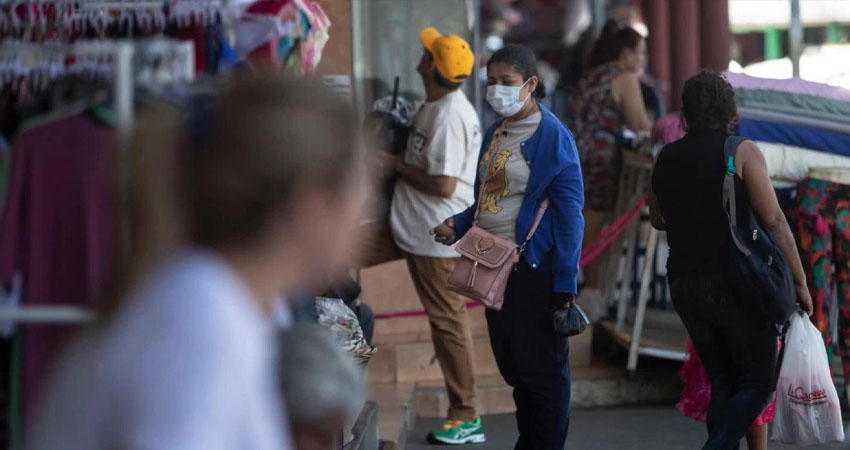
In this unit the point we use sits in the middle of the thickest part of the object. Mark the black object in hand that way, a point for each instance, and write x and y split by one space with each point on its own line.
570 321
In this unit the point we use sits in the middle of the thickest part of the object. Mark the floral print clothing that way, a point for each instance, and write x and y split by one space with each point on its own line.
597 125
822 222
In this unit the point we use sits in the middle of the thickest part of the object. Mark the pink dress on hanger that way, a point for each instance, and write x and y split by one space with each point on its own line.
59 228
696 393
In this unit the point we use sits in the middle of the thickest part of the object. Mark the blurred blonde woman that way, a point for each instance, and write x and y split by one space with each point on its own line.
187 359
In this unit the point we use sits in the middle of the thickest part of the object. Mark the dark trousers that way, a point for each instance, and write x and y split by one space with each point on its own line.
533 359
737 350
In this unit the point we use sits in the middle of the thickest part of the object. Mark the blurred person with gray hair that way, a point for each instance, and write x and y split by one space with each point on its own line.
320 384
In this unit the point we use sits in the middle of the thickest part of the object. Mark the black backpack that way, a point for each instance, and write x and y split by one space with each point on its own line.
758 271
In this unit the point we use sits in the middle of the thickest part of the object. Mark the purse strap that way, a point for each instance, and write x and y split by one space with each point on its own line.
536 223
729 200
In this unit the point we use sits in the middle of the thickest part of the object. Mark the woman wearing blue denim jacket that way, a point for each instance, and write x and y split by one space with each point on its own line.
525 158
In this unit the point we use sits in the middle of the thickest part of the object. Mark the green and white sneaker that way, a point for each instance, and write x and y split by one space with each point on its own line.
456 432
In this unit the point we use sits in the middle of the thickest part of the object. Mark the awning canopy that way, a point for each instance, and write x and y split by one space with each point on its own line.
759 14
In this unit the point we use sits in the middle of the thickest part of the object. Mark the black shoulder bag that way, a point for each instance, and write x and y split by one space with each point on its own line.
758 271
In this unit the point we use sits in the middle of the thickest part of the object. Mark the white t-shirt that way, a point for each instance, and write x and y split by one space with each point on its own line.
445 141
188 362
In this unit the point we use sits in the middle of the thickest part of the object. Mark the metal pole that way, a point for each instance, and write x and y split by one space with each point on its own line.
474 9
643 298
358 39
597 12
795 37
47 315
123 88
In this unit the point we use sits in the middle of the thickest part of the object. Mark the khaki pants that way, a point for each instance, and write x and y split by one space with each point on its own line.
446 314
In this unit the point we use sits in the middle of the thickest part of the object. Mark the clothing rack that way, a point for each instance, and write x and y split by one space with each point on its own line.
119 54
129 62
180 11
117 5
75 15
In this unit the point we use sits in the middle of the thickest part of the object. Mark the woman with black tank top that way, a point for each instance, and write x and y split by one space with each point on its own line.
737 348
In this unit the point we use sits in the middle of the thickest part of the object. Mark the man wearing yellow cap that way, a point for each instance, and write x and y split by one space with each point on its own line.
436 175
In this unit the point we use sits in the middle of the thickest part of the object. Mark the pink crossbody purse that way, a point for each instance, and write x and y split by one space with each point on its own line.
486 260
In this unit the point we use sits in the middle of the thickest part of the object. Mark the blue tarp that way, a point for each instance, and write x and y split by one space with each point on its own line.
796 135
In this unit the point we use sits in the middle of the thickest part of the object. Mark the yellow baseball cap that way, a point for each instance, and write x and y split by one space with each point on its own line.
453 56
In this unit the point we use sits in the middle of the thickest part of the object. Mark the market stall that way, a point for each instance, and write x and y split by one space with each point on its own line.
803 131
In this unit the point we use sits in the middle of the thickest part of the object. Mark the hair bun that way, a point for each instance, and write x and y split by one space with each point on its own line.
611 42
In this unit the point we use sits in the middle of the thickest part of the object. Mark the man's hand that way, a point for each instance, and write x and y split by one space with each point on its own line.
804 298
444 233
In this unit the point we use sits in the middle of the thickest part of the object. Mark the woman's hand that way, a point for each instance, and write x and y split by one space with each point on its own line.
563 300
444 233
804 298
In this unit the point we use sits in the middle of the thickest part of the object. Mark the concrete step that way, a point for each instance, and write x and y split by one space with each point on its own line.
594 384
656 318
394 415
406 353
406 382
416 329
600 385
364 432
388 288
408 356
494 397
411 362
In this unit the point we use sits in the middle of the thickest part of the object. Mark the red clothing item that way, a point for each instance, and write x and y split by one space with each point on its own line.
59 227
696 393
667 129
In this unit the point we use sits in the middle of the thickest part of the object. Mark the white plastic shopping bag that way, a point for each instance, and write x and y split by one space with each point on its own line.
807 408
341 321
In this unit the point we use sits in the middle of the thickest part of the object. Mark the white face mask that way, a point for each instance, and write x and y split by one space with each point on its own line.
505 99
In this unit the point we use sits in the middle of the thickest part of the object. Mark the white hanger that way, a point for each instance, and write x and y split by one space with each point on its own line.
16 21
125 19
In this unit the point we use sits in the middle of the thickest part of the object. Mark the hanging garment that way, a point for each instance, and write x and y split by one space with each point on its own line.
822 222
316 35
59 227
668 129
5 166
696 392
262 26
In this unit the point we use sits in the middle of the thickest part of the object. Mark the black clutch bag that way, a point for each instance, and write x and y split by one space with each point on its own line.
570 321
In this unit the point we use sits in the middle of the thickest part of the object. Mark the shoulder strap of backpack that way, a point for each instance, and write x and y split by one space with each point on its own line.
729 199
